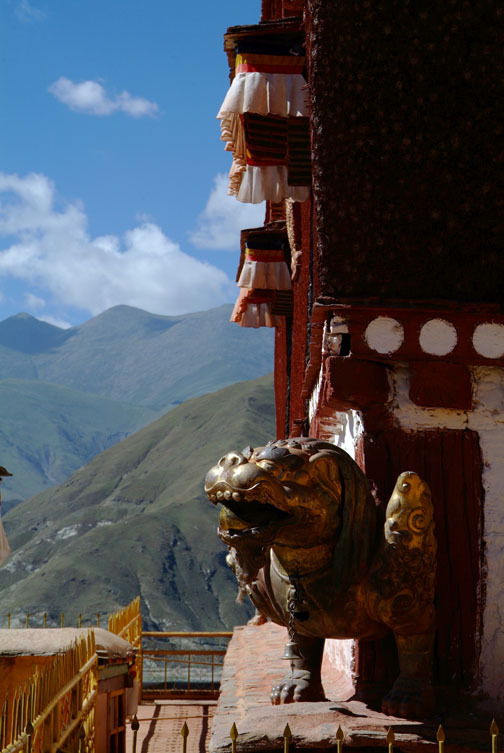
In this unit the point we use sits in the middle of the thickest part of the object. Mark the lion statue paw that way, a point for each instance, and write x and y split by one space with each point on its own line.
409 698
297 686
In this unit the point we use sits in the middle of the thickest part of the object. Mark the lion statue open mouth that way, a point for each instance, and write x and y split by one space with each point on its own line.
312 550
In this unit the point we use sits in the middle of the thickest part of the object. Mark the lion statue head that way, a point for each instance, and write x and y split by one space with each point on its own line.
304 498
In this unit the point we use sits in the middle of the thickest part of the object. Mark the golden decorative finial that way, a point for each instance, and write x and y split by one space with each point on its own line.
287 736
135 724
494 731
390 739
233 734
184 732
340 736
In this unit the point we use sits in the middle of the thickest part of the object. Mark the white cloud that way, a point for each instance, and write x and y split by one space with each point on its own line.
26 12
218 226
34 302
55 321
50 248
91 98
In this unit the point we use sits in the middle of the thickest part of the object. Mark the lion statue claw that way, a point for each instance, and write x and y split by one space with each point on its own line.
297 686
310 547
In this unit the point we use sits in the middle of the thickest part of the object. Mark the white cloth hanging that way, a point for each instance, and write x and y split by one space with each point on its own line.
267 85
265 269
264 84
267 183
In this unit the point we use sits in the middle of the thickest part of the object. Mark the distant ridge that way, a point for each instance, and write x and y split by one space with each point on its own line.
128 354
26 334
135 520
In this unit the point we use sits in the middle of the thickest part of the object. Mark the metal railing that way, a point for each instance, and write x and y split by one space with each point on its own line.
288 745
29 621
127 624
182 672
54 709
165 670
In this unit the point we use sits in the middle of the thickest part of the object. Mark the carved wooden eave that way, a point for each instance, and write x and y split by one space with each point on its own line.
284 29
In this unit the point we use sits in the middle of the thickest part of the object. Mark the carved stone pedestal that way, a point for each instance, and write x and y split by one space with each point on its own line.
253 665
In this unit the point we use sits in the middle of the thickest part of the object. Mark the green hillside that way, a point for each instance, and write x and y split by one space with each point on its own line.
135 520
48 431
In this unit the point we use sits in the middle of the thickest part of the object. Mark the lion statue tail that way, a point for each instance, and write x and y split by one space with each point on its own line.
410 514
404 581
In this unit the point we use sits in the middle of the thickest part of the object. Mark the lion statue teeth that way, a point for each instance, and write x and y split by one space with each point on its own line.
312 550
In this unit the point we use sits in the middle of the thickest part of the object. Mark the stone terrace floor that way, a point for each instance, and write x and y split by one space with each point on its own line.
161 723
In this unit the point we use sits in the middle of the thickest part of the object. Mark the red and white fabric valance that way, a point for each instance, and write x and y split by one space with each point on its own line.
267 91
265 269
253 308
268 85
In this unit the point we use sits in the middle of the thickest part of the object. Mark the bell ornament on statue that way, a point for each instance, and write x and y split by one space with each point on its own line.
291 652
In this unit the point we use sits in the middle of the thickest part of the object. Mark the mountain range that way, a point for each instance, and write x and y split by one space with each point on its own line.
135 520
130 355
68 394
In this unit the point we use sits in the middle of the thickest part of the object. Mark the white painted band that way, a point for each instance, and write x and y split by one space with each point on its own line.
438 337
488 340
384 334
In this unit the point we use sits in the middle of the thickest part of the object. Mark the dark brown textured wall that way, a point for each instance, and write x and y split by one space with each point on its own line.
407 145
300 321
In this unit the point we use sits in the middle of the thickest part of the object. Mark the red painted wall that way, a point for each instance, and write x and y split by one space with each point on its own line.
450 461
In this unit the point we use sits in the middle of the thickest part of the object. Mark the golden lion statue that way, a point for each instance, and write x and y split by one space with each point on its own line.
309 546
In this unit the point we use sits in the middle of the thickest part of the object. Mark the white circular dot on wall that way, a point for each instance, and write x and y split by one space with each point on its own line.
438 337
488 340
384 334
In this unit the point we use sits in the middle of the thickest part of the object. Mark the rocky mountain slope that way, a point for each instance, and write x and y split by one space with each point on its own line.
135 520
48 431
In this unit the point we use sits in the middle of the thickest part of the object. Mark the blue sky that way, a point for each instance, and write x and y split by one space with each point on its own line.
112 186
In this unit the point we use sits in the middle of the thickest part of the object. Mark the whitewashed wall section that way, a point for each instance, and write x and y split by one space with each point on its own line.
344 427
